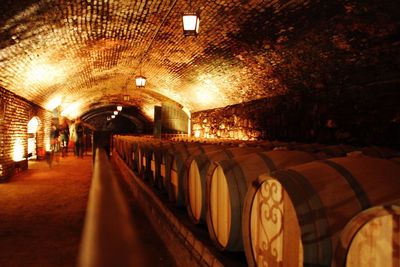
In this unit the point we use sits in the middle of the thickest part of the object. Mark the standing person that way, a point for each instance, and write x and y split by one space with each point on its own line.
79 138
54 143
64 136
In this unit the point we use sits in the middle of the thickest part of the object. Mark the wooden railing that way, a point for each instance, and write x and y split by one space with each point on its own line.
108 237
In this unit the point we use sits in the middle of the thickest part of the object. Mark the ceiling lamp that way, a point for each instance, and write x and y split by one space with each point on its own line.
115 112
140 81
119 108
191 22
112 116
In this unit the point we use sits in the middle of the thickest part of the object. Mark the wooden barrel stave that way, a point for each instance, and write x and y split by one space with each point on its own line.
371 238
168 154
195 182
239 174
179 170
325 196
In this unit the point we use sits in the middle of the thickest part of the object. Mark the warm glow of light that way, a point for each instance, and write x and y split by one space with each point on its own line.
148 110
207 93
18 150
197 133
112 116
187 111
72 110
33 125
44 74
115 112
204 96
54 102
119 108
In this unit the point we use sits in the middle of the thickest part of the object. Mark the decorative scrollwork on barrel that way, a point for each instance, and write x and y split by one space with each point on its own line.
267 224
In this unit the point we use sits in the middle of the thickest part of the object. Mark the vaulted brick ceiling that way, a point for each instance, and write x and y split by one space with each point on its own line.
84 54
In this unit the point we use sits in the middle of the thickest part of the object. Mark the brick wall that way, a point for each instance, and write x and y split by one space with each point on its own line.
14 117
359 115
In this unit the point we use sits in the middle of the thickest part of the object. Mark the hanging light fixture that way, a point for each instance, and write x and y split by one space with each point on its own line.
140 81
112 116
115 112
119 108
191 22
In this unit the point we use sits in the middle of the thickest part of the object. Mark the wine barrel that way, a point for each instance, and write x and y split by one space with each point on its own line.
127 152
195 182
135 156
337 150
311 148
294 216
167 155
371 238
178 172
143 150
144 157
227 186
156 150
379 152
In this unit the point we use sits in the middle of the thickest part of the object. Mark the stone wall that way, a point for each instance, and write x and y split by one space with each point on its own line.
359 115
14 117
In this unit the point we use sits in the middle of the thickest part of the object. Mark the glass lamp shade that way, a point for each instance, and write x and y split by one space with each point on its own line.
191 22
119 108
115 112
140 81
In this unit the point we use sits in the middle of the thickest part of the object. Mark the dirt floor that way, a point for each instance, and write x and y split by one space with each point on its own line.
42 212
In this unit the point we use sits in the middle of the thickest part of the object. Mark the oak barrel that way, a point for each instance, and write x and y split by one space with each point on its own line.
178 171
167 155
156 160
143 160
371 238
195 183
380 152
294 216
227 186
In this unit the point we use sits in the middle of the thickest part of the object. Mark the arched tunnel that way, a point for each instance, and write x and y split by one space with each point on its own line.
289 71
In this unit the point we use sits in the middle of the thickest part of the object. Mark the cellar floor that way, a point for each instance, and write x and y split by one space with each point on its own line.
42 213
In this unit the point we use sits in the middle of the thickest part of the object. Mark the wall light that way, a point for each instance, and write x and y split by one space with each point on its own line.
119 108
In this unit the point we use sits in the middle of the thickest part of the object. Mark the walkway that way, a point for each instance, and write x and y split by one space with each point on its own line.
42 213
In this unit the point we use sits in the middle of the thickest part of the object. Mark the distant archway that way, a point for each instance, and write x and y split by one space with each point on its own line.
33 127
